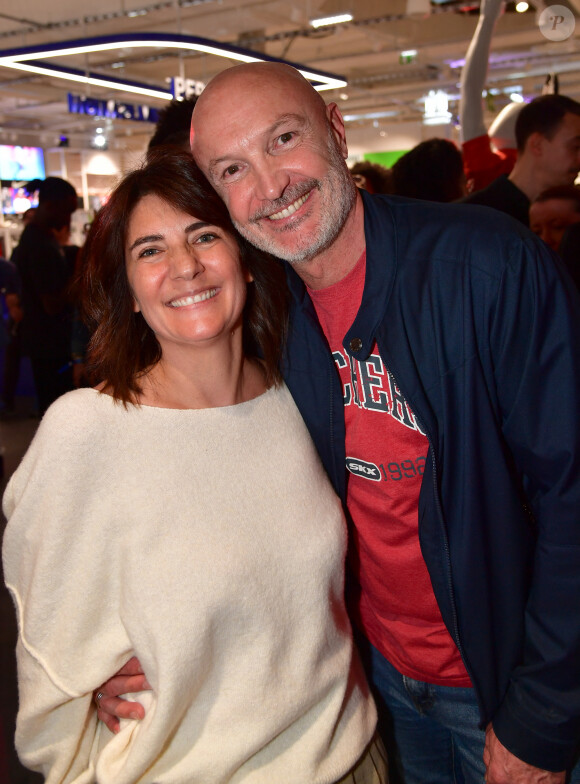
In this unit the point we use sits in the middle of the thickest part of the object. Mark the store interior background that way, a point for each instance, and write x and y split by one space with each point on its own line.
383 104
383 101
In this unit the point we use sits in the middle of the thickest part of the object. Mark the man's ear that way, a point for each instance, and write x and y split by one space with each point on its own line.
334 117
535 144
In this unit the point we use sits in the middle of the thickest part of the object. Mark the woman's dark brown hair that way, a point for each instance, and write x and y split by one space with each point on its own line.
122 344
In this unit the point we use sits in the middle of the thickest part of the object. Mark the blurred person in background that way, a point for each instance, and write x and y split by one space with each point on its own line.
10 337
555 217
433 170
11 289
570 251
548 139
373 177
553 211
172 128
46 273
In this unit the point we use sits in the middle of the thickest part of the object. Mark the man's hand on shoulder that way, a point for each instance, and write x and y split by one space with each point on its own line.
502 767
110 708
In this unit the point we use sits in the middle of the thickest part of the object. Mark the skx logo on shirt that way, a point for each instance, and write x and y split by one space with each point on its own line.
366 470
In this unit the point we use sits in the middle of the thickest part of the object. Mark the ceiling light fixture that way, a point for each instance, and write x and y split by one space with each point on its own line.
522 7
90 78
369 116
325 21
436 108
25 59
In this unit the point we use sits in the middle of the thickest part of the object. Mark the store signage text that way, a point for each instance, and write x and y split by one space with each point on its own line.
115 110
185 88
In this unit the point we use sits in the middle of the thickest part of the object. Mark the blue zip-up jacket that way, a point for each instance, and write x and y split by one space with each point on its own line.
482 335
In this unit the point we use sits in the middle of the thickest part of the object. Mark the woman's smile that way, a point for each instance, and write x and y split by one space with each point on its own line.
193 299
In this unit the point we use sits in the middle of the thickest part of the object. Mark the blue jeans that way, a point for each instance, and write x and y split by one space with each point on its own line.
431 733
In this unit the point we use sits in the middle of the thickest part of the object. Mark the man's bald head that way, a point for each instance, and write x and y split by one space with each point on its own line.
276 154
239 80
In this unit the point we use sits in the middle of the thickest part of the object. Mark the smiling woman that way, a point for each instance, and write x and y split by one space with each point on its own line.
164 235
186 277
190 522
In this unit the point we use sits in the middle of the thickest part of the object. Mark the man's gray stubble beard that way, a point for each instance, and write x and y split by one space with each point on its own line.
335 211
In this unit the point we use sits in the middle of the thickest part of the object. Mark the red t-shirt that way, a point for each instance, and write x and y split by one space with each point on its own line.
385 458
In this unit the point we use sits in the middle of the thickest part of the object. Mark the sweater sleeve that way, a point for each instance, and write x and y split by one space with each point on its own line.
536 336
56 734
60 566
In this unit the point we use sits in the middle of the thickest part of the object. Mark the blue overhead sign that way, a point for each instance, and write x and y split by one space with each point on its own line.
115 110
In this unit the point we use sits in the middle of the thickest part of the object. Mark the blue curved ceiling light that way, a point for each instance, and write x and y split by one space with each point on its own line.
26 59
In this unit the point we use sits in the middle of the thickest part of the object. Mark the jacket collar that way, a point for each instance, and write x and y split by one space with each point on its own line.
380 240
381 263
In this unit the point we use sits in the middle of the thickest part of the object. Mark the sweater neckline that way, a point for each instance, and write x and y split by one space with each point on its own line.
142 406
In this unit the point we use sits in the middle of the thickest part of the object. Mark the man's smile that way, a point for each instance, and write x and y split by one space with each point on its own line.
290 209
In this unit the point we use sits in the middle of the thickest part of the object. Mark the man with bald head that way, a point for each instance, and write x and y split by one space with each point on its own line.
304 208
434 352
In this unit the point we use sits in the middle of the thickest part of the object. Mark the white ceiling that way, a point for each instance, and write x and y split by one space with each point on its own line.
33 109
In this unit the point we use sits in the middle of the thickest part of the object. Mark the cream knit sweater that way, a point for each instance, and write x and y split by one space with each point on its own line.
210 544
